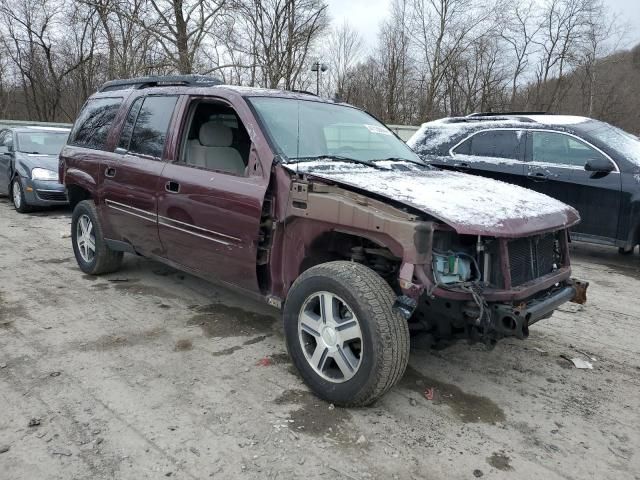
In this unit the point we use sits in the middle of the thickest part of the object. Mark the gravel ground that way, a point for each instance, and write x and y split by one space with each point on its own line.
152 373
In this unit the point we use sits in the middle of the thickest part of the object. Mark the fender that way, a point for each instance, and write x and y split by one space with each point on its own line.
75 176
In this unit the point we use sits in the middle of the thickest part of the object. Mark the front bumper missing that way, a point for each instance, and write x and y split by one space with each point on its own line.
514 320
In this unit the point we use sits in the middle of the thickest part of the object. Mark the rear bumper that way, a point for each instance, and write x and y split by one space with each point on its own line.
44 193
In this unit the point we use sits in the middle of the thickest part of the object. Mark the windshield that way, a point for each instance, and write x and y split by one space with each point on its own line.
304 130
617 139
45 143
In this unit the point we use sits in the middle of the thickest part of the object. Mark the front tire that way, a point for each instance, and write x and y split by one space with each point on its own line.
343 335
17 195
93 255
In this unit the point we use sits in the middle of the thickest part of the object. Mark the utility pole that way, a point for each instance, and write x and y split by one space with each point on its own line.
318 67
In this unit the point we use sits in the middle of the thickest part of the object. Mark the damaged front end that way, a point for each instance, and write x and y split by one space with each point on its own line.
485 288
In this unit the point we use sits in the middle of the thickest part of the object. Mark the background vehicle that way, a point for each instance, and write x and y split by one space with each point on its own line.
318 209
29 166
588 164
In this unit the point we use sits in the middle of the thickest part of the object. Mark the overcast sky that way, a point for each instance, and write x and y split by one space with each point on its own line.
366 15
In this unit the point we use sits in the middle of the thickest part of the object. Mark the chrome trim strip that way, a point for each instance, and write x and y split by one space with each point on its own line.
199 228
192 233
131 213
110 203
559 165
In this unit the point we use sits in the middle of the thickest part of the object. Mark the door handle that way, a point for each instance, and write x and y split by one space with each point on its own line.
172 187
110 172
464 166
537 176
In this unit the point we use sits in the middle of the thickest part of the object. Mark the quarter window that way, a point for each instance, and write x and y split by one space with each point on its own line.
494 144
127 129
560 149
94 122
152 122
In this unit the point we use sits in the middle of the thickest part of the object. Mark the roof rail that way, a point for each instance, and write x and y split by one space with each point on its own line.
304 92
158 81
505 114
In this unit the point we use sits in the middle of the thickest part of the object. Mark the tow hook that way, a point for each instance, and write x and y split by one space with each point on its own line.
580 288
405 306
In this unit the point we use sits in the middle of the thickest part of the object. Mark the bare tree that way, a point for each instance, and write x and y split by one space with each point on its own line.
345 49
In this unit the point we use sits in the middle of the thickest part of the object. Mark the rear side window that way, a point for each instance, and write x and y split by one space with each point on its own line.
151 124
94 122
127 129
495 144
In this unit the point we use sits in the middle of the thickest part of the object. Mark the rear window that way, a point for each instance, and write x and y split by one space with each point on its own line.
494 144
94 122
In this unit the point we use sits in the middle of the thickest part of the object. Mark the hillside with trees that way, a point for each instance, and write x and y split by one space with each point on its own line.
432 58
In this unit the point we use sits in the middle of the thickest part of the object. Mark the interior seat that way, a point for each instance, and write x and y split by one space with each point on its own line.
213 149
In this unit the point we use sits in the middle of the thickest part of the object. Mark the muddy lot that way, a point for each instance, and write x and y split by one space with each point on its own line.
152 373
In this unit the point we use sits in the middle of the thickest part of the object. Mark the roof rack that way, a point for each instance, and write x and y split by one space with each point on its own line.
505 114
159 81
304 92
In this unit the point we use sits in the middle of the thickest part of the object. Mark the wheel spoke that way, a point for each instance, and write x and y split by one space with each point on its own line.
349 330
319 357
310 324
91 244
327 309
344 359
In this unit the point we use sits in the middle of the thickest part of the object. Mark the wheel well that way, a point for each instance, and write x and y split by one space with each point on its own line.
76 194
332 246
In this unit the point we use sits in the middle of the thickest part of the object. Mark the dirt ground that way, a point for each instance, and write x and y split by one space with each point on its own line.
152 373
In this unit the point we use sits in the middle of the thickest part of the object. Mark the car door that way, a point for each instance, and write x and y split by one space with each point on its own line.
209 211
555 167
6 156
131 174
496 153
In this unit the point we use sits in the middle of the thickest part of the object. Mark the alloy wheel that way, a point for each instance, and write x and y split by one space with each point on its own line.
330 335
85 238
17 194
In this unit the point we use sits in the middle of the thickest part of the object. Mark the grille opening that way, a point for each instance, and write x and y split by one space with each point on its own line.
533 257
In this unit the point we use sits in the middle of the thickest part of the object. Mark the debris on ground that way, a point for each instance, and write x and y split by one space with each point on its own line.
34 422
361 440
63 452
264 362
579 362
4 448
54 374
428 393
477 473
116 280
65 235
3 365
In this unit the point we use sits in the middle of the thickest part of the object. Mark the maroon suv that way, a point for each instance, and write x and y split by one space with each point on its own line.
320 210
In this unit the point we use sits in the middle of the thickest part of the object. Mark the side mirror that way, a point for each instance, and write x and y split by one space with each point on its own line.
599 165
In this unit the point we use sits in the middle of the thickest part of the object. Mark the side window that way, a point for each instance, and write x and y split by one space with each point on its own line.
497 144
464 148
151 124
94 122
216 139
127 129
561 149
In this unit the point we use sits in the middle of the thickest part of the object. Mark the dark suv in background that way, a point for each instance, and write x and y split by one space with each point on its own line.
586 163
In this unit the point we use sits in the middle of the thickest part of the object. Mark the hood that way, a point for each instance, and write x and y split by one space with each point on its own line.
470 204
31 161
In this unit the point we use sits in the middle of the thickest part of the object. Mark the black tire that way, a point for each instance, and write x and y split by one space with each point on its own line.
104 259
385 333
625 251
20 203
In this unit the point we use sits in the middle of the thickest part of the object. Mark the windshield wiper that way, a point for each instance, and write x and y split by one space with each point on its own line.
336 157
398 159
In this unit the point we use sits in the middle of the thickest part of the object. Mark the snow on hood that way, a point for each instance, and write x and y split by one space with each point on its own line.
470 204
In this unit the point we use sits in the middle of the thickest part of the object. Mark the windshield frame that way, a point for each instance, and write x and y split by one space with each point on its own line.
20 133
284 158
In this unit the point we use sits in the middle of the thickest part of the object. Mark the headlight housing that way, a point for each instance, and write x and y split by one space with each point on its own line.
43 174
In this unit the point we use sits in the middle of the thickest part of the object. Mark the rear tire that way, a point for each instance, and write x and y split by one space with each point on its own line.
93 255
343 335
18 198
